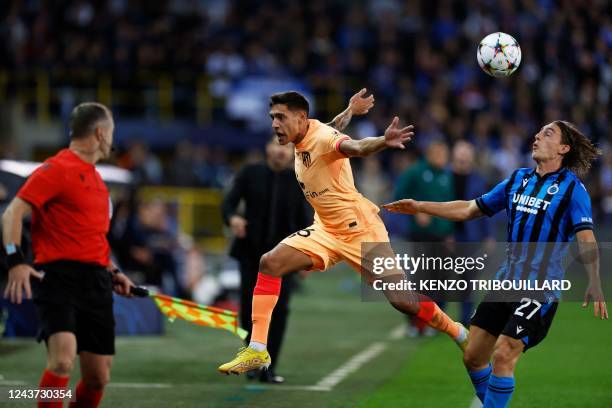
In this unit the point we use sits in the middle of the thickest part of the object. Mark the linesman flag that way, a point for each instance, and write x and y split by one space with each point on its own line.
193 312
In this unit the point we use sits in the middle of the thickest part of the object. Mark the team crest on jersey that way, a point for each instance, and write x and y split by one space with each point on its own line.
553 189
306 159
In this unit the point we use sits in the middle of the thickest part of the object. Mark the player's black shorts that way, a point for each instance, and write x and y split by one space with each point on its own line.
78 298
528 320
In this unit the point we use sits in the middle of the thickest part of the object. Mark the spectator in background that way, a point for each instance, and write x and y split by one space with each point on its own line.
606 183
182 166
145 166
211 167
421 59
399 163
372 182
274 208
148 245
508 156
430 180
468 184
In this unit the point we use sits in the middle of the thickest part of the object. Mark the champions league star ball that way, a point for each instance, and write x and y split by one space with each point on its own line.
499 54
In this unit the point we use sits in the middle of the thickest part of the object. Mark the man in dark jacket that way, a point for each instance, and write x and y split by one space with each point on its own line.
274 207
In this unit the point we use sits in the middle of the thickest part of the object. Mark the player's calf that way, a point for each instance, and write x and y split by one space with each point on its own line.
501 382
479 369
408 308
506 354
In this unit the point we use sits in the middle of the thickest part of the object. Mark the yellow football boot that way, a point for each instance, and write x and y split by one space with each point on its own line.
247 359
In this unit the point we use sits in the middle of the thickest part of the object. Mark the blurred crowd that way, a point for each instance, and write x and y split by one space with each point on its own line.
417 57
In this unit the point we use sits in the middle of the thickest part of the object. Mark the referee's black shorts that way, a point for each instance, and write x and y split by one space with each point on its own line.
78 298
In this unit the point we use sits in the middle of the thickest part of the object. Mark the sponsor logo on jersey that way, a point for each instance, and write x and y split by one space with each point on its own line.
306 159
529 204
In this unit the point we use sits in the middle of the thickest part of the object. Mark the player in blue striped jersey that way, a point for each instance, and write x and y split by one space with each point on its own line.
550 207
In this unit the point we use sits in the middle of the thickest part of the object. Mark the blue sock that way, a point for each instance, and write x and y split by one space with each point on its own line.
499 392
480 379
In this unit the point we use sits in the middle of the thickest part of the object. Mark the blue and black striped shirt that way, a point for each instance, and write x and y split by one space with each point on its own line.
547 209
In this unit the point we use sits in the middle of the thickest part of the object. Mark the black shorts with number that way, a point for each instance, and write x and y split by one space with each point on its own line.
78 298
527 320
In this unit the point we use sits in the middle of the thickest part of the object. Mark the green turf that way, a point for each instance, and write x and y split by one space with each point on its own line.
571 368
329 324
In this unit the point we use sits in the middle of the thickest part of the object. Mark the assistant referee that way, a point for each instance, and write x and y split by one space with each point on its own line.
73 277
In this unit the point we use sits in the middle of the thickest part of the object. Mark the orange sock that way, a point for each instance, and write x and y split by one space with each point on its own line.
51 380
435 317
265 297
86 397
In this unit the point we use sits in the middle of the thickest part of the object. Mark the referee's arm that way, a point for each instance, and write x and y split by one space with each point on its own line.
589 255
19 271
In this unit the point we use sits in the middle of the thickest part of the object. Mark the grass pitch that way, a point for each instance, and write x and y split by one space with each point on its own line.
328 327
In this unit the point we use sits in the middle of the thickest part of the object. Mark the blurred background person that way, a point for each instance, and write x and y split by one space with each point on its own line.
274 207
430 179
468 184
373 182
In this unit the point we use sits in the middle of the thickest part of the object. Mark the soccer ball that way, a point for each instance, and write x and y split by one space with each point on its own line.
499 54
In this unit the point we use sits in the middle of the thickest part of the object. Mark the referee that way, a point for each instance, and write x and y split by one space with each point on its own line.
73 275
546 204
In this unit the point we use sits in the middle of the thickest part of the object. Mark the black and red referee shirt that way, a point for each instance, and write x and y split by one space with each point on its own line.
71 211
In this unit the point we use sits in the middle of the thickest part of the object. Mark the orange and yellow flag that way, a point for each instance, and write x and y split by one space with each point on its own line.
199 314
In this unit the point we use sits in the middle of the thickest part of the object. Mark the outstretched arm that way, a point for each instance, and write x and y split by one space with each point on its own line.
358 105
451 210
589 255
394 137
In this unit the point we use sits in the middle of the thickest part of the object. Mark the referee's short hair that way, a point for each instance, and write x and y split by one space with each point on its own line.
85 117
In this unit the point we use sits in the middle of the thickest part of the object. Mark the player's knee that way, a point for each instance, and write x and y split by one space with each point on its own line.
270 265
97 381
61 366
473 360
505 355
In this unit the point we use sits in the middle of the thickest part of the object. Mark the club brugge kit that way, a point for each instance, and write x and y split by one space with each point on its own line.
546 211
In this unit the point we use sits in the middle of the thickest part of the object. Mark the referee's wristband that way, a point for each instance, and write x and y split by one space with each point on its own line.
14 256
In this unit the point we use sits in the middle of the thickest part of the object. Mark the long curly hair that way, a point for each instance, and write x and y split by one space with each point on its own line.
582 151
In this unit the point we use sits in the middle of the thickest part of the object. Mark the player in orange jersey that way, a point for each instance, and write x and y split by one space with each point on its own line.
343 220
